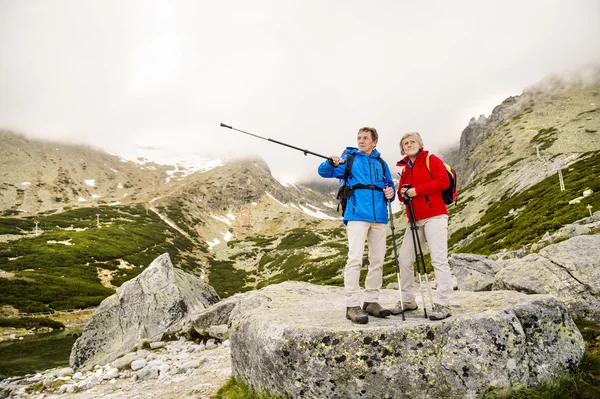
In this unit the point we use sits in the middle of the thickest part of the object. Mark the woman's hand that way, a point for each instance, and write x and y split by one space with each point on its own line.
408 192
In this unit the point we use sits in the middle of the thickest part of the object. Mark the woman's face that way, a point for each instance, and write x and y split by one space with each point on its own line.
411 146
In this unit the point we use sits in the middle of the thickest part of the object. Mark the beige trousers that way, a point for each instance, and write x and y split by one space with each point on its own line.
374 234
435 231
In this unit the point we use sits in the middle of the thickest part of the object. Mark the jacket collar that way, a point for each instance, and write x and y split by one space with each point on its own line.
355 151
406 161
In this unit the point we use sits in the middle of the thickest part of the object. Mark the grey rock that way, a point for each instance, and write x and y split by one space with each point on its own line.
64 372
293 339
138 364
473 272
215 315
191 364
158 301
110 374
571 230
147 373
569 270
163 369
89 382
219 332
211 344
537 246
156 345
125 361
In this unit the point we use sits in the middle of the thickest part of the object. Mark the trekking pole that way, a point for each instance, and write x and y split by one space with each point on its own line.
396 257
306 152
419 254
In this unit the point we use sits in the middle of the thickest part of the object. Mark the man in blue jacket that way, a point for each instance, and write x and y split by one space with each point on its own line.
365 217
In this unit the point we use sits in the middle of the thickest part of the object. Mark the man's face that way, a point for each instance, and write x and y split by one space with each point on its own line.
365 142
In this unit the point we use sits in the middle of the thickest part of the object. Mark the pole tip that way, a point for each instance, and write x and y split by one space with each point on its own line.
224 125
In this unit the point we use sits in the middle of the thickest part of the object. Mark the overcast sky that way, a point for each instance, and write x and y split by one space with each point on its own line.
309 73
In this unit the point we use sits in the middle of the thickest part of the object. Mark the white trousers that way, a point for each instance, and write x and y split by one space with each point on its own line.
374 234
435 231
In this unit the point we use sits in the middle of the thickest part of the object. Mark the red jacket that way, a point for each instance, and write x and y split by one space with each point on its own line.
429 186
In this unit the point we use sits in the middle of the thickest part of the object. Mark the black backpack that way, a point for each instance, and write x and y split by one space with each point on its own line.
345 191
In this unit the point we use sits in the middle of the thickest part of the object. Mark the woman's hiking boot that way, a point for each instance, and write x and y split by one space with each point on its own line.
403 307
439 312
375 309
357 315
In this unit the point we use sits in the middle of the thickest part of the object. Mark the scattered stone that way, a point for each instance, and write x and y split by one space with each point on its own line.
202 373
138 364
156 345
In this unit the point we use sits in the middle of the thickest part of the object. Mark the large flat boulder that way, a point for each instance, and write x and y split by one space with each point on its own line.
161 300
293 339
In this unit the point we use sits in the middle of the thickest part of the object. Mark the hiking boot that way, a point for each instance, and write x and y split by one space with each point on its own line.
408 305
439 312
375 309
357 315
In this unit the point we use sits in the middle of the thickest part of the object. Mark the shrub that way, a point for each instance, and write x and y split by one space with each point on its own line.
299 238
30 322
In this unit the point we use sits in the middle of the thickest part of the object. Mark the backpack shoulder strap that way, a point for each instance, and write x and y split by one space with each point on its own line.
349 161
382 164
427 164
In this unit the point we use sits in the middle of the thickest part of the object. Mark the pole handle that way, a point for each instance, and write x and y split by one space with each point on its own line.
227 126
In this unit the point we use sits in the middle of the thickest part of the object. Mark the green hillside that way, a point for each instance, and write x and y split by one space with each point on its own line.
523 219
57 269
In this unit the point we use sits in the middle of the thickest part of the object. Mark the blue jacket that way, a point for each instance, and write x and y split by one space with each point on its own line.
364 205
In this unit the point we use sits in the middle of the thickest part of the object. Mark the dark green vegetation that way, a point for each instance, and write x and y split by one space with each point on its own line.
30 322
545 137
282 259
581 383
541 208
226 279
35 353
288 258
57 270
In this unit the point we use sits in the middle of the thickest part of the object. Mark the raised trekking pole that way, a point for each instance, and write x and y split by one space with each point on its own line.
396 256
306 152
418 254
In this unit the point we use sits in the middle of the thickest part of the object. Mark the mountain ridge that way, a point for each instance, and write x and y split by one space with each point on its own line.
240 228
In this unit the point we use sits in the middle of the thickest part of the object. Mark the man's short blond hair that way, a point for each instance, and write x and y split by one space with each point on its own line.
410 134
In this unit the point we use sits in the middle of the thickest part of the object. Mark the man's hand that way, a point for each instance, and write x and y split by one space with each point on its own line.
388 192
335 160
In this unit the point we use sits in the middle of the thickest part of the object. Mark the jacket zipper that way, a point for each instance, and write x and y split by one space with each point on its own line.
372 191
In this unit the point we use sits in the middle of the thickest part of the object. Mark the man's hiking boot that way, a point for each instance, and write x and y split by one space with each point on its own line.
408 305
357 315
375 309
439 312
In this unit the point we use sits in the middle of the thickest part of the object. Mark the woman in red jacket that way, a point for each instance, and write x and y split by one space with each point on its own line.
424 187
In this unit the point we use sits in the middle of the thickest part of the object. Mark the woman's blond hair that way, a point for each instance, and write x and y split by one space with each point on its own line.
410 134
